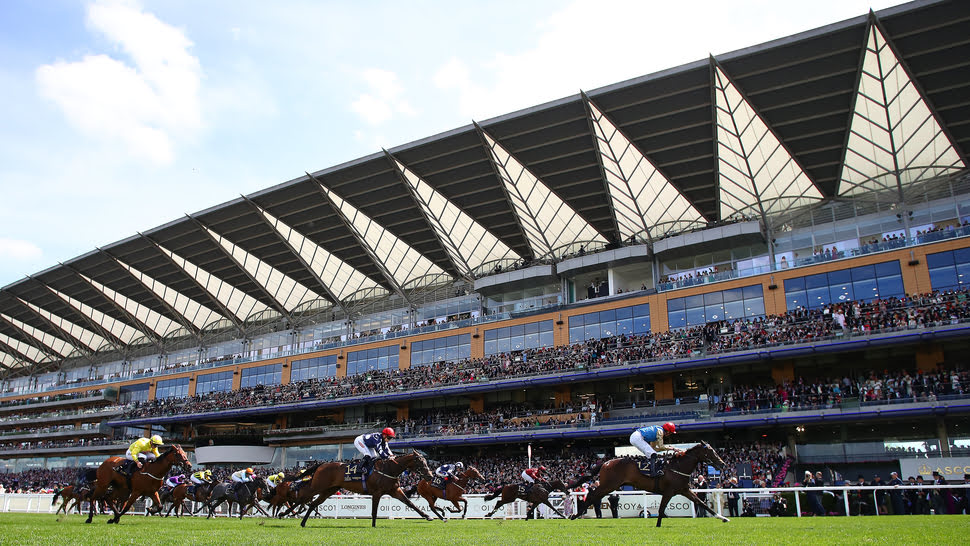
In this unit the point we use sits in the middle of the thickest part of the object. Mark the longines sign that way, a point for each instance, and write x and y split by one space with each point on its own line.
952 468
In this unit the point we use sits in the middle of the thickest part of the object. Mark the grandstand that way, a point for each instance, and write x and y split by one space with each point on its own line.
766 247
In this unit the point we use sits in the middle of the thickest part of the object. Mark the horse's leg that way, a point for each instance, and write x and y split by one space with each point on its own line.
375 502
465 511
663 507
431 500
697 500
312 505
258 507
500 503
399 495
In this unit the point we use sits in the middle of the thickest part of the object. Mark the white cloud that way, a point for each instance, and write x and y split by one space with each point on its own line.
18 250
384 97
144 105
584 46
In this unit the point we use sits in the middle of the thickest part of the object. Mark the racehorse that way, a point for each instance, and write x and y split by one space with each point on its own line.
453 492
180 493
282 495
675 480
68 495
245 494
328 478
535 495
144 482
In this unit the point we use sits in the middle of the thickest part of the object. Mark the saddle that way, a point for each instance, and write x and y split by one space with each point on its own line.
439 482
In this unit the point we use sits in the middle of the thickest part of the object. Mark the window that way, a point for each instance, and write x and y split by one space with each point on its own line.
271 374
172 388
314 368
949 270
518 338
442 349
614 322
863 283
213 382
737 303
381 358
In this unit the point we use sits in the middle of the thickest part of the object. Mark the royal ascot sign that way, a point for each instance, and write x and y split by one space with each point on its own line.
952 468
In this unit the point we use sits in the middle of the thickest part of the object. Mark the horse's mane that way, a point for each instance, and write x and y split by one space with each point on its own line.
308 471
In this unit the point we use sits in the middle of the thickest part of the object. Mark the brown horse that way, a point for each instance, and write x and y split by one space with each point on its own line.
534 496
178 495
453 492
68 495
283 495
328 478
144 482
675 480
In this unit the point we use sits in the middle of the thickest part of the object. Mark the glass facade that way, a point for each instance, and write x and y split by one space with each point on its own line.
314 368
271 374
172 388
442 349
381 358
614 322
737 303
949 270
214 382
863 283
519 337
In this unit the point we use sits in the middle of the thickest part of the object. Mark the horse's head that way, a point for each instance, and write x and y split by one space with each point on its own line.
179 457
416 463
557 485
474 474
708 454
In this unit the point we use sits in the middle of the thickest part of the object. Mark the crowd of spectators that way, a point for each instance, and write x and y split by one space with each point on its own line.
884 386
797 326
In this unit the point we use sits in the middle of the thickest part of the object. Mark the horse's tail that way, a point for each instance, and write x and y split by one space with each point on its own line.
593 472
308 471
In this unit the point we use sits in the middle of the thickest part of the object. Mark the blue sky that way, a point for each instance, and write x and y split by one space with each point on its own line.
119 116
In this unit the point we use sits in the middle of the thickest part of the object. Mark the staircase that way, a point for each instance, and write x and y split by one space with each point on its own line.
780 476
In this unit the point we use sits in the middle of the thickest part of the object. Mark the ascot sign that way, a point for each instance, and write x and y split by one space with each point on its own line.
952 468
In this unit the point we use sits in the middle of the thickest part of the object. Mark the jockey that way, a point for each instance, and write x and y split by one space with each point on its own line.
650 440
374 446
201 477
449 471
142 449
533 475
243 476
275 480
174 481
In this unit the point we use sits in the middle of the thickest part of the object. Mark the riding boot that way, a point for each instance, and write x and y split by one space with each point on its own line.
655 469
368 463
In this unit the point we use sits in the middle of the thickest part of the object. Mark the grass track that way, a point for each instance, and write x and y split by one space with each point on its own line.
897 530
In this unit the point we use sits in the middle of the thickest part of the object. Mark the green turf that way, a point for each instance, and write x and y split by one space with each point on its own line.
71 530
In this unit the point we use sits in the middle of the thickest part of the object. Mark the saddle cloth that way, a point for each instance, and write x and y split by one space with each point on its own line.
523 489
643 465
354 472
439 482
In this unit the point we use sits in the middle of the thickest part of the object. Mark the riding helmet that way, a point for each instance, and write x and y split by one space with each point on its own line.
460 466
670 427
157 440
249 471
389 432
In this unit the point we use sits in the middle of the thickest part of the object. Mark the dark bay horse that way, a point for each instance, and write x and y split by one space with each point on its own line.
145 482
675 480
328 478
535 495
453 492
245 494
